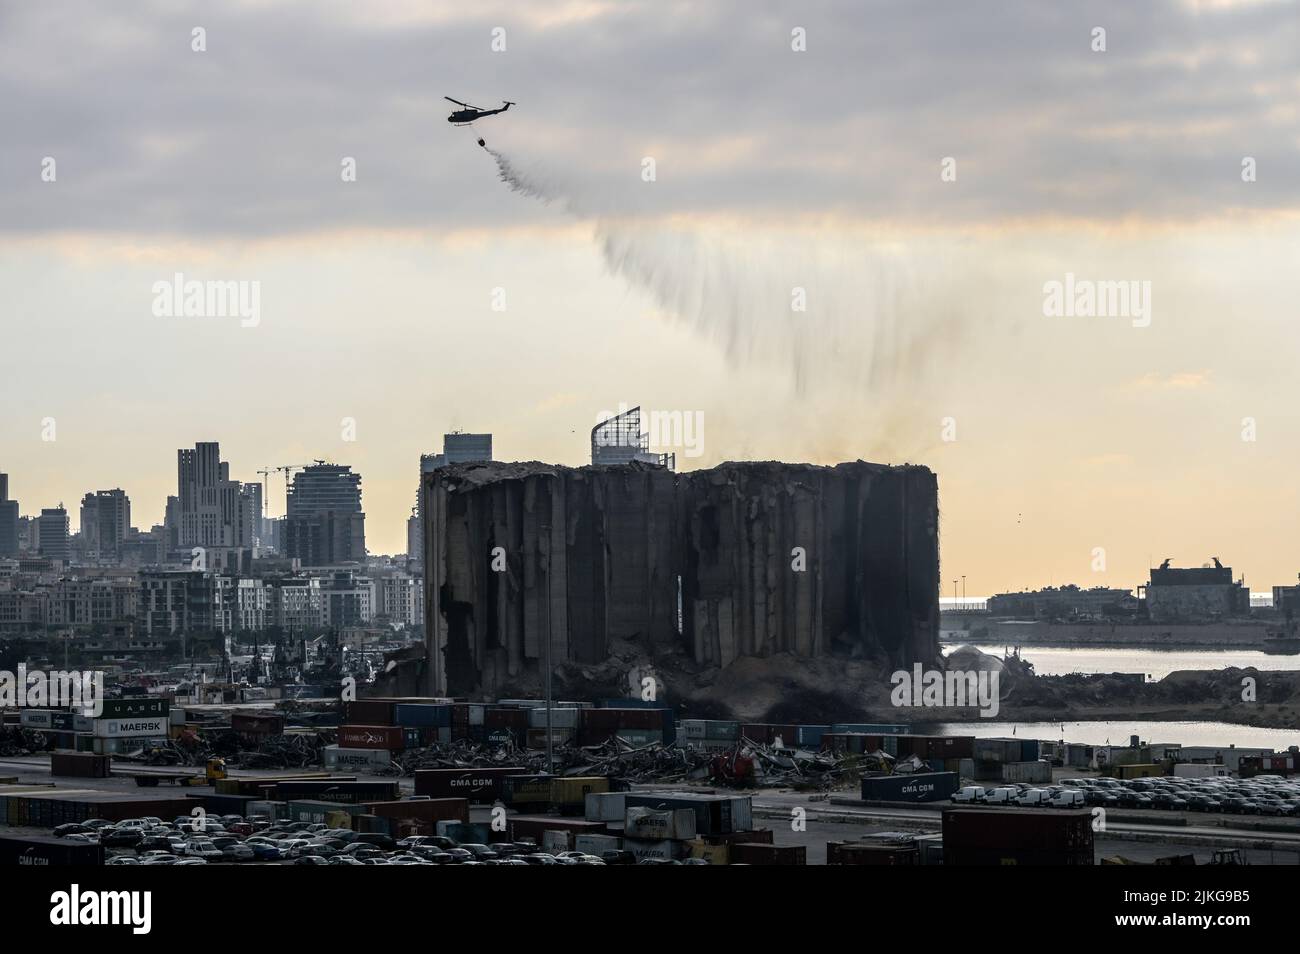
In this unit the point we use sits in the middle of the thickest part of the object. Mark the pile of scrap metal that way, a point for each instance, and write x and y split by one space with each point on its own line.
273 752
754 764
615 758
15 740
299 750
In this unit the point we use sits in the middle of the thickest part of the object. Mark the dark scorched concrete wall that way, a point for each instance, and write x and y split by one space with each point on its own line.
766 558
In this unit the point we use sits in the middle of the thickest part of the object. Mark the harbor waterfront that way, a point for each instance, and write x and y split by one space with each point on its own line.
1118 732
1154 663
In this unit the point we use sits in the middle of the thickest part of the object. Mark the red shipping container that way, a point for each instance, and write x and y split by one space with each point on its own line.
426 810
371 737
498 718
369 712
748 853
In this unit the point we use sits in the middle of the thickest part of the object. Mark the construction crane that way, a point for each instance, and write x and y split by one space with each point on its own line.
266 492
287 470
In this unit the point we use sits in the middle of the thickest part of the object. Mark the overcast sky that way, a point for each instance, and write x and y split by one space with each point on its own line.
774 169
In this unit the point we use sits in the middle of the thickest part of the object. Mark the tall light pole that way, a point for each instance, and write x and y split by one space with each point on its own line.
963 591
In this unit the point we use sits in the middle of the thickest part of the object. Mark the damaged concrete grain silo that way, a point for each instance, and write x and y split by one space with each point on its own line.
744 559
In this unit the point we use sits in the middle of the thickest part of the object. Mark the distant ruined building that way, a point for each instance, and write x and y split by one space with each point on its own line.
744 559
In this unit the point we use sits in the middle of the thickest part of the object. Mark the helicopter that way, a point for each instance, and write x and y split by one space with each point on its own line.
463 117
467 115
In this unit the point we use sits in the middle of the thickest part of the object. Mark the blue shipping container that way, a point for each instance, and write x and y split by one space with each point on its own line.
421 715
922 787
810 735
870 728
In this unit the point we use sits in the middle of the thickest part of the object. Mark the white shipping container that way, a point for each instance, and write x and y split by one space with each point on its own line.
651 825
476 713
605 806
560 718
651 849
553 841
140 727
35 718
338 757
1199 770
272 810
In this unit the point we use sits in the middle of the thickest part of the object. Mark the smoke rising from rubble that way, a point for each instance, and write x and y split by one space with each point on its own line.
876 326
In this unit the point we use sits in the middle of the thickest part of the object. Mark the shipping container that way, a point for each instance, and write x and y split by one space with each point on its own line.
1027 772
755 836
929 849
515 720
998 750
870 728
482 785
262 785
525 791
42 850
750 853
657 850
71 722
36 718
566 718
927 747
428 810
713 854
555 842
536 738
361 760
858 743
531 827
314 811
386 737
810 736
924 787
135 707
369 712
569 794
1139 771
416 715
80 764
135 727
712 730
605 806
867 853
596 844
651 825
330 790
473 833
223 804
1027 836
768 734
714 814
271 811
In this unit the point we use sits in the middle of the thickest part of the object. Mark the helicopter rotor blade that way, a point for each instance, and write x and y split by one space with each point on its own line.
458 102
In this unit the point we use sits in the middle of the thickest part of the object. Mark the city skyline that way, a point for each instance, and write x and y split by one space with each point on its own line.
1167 159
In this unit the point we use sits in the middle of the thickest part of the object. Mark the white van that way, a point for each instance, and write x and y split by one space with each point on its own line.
1001 796
1033 798
969 795
1067 799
